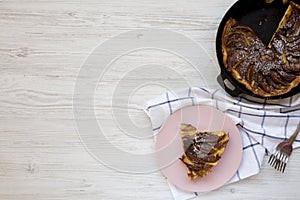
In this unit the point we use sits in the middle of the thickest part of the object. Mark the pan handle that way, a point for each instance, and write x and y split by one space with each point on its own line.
228 86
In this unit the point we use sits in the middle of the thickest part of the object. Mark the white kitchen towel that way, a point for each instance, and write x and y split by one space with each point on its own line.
262 125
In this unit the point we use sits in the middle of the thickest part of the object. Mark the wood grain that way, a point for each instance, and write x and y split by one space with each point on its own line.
43 44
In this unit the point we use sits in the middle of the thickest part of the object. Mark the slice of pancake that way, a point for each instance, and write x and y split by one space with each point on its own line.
266 70
202 150
286 43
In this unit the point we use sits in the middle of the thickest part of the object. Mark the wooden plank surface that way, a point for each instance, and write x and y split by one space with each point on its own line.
43 45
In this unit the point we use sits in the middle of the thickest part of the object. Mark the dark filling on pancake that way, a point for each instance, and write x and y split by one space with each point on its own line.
202 150
265 70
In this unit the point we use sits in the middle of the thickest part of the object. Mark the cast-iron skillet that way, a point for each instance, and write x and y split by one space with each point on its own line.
263 18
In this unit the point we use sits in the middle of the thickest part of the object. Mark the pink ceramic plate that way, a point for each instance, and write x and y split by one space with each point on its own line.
169 148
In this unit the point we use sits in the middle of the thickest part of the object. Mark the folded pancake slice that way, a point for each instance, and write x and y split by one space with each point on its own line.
202 150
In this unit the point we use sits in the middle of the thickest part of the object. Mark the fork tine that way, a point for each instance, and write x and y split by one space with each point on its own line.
281 166
280 161
285 162
275 155
284 165
276 163
272 159
275 158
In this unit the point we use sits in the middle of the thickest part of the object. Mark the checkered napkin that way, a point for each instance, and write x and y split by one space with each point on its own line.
262 125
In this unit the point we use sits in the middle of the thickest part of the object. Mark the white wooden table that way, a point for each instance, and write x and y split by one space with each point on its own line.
43 45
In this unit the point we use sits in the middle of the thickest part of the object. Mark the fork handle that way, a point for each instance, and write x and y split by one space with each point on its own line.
293 137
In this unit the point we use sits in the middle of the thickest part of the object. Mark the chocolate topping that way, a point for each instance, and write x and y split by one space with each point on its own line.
202 150
265 70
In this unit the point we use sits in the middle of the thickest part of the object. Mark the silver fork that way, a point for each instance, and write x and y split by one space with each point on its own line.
282 152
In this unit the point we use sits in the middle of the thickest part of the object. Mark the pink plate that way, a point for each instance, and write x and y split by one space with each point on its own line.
169 148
